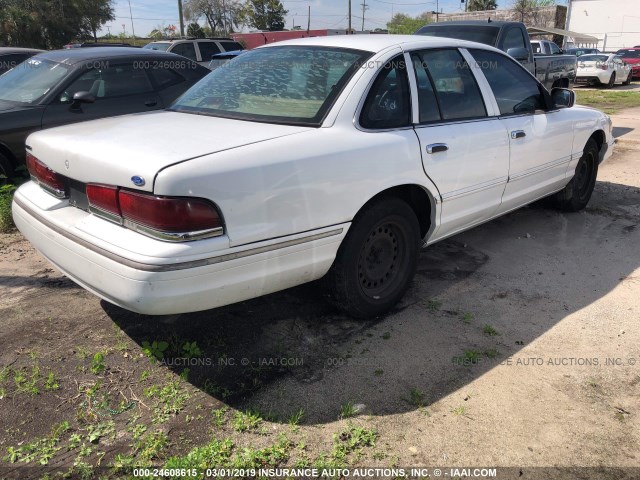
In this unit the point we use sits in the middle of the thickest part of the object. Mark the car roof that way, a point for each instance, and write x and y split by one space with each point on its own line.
8 50
73 56
377 43
471 22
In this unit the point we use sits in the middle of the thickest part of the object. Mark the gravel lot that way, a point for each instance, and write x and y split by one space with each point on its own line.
517 346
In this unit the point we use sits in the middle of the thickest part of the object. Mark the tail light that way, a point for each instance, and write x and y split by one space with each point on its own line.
166 218
47 178
604 66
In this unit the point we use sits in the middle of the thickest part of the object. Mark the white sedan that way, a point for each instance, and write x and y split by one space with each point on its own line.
336 157
603 69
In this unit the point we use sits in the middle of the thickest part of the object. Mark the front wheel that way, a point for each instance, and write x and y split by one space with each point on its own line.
575 196
612 80
628 80
377 260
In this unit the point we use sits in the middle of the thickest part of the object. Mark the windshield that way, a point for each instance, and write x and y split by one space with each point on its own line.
484 34
157 46
291 85
31 80
628 53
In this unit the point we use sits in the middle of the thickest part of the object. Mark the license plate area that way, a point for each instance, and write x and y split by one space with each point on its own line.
78 195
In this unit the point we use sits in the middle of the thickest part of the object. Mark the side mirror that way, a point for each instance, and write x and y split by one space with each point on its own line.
519 53
82 97
563 97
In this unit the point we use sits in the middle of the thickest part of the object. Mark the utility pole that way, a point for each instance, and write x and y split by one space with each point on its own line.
309 19
181 20
437 11
133 32
364 7
349 30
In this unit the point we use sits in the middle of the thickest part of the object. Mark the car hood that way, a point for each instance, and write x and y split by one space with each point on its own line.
113 150
14 107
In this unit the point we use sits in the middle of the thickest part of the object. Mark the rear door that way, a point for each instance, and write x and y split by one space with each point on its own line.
465 152
540 139
118 89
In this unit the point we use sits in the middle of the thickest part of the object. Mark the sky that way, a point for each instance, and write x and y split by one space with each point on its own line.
148 14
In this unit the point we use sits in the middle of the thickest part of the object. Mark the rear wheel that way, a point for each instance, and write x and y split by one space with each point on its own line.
612 80
575 196
6 170
628 80
377 260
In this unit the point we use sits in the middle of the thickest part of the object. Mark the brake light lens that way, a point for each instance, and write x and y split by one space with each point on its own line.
47 178
166 218
604 66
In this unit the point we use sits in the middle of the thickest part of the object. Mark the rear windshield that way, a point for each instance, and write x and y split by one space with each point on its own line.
292 85
628 53
484 34
594 58
157 46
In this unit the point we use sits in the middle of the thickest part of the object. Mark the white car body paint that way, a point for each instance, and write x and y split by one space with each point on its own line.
288 194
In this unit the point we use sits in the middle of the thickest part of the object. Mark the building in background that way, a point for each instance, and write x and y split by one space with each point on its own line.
616 23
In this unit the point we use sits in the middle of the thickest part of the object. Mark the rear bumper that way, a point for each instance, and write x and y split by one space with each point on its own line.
154 288
590 79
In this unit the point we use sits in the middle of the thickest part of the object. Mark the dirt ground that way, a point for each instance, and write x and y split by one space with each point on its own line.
517 346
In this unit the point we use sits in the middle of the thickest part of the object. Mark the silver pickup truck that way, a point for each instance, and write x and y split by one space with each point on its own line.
555 70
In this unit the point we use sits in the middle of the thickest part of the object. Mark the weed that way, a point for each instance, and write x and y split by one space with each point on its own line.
150 446
27 383
264 457
191 350
216 453
470 357
99 430
348 410
74 441
467 317
6 219
82 352
491 353
219 416
490 331
155 349
416 397
459 411
378 372
243 422
40 450
171 399
144 375
51 382
97 363
386 336
434 305
351 440
295 417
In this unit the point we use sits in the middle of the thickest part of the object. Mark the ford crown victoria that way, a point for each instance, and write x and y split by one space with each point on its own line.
335 158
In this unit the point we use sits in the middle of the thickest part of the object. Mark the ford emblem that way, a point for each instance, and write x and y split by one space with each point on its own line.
137 181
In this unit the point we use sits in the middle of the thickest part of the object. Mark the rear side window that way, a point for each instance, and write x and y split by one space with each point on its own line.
515 90
207 50
514 39
388 103
113 81
456 91
554 49
231 46
164 77
186 50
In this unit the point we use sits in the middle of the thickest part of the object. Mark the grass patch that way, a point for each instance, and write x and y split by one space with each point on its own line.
6 219
490 331
608 101
40 450
243 422
170 400
434 305
348 410
416 397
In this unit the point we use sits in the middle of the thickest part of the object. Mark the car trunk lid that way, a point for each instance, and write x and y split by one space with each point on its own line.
115 150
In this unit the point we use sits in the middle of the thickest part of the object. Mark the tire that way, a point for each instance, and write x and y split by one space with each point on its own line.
376 261
6 170
612 80
628 80
575 196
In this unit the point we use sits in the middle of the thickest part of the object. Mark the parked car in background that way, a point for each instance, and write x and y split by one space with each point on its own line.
339 157
68 86
96 44
545 47
199 50
220 59
581 51
603 69
11 56
632 57
513 38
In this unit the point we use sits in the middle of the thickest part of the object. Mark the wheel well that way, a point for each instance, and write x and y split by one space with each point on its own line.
416 197
599 138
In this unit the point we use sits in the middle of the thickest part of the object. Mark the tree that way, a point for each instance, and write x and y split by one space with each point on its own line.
51 23
404 24
195 30
477 5
266 14
222 16
528 11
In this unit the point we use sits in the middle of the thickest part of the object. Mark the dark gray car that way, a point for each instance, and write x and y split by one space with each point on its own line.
12 56
66 86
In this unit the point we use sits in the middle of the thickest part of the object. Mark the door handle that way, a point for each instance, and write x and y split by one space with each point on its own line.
518 134
437 147
151 103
